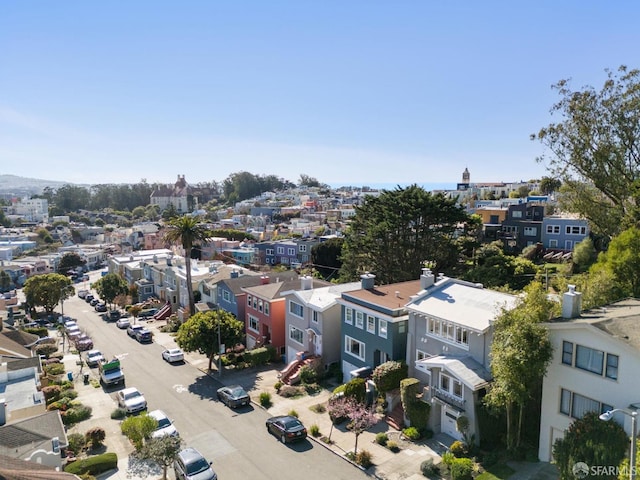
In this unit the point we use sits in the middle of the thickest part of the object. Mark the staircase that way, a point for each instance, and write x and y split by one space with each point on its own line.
291 374
163 313
395 418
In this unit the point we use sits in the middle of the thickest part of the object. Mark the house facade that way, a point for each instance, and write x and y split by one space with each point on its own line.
596 357
563 233
522 226
374 325
448 343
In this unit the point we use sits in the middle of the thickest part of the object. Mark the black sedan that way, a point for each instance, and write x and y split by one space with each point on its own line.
233 396
287 428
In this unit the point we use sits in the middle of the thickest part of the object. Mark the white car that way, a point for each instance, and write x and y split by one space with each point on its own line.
173 355
131 400
93 358
123 323
165 426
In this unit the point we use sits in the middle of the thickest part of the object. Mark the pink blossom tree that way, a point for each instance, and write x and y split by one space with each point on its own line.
337 409
361 418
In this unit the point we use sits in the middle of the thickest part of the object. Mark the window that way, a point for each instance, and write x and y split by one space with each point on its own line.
284 260
254 324
302 248
516 214
269 251
259 305
359 319
576 405
567 353
431 325
450 330
371 324
348 316
266 308
296 309
589 359
553 229
255 302
444 383
382 328
402 327
420 355
354 347
226 295
612 366
314 317
457 389
296 334
291 251
280 250
553 243
575 230
530 231
461 335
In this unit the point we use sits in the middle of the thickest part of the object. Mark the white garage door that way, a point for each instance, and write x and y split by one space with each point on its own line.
346 368
448 424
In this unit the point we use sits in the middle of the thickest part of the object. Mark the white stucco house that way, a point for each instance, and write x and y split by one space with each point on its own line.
596 360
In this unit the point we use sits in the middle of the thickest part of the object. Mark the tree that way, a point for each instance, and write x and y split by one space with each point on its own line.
622 259
595 149
591 441
337 410
325 257
361 419
393 233
549 185
47 290
5 281
139 428
134 311
70 261
584 255
188 231
200 332
493 268
162 450
110 286
520 353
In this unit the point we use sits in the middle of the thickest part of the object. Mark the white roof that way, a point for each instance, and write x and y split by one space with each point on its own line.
464 303
324 297
466 369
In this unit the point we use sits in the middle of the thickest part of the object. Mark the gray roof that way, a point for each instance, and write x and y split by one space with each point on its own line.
17 469
21 436
466 369
236 285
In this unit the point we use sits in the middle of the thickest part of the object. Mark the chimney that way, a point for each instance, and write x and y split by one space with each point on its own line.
306 282
3 411
368 281
264 280
155 259
234 273
571 303
426 279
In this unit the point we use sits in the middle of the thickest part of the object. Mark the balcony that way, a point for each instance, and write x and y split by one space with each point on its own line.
447 398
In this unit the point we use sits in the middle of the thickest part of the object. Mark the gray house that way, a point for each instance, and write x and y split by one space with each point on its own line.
448 343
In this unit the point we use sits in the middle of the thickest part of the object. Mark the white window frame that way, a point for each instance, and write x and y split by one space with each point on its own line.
293 338
293 309
553 229
280 250
359 319
253 324
529 231
383 326
302 248
315 316
371 324
291 251
348 347
269 251
348 316
266 308
553 243
226 295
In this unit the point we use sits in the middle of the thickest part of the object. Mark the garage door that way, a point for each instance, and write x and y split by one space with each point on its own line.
448 424
346 368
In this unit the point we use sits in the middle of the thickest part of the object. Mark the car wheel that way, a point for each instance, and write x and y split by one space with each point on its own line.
283 439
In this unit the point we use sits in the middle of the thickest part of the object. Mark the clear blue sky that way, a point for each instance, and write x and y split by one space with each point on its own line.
349 92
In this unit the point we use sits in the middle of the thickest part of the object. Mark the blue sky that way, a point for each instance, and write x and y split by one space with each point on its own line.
350 92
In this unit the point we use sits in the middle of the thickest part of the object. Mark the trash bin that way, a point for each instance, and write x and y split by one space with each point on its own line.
86 378
70 376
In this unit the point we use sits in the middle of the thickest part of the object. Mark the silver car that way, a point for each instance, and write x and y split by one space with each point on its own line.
131 400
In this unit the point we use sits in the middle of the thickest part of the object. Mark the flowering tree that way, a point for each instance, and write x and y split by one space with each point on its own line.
361 419
337 409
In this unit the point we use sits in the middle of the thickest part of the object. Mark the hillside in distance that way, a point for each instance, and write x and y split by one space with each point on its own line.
14 185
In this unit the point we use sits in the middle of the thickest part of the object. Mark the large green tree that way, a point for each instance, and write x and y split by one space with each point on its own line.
5 281
201 333
110 286
595 149
162 450
325 257
622 259
392 235
70 261
520 354
493 268
187 231
47 290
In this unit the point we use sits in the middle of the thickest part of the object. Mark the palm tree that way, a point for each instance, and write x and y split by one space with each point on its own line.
187 231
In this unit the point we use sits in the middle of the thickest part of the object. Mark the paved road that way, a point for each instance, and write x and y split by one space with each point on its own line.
236 441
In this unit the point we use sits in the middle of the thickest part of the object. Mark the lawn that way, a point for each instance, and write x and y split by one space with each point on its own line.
500 471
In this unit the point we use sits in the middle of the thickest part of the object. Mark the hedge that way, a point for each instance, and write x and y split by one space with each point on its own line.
260 356
94 465
388 375
415 409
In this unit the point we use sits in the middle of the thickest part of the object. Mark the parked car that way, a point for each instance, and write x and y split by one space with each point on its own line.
287 428
89 297
144 335
131 400
94 302
165 426
233 396
122 323
132 330
93 358
191 465
83 293
114 315
101 307
173 355
149 312
83 342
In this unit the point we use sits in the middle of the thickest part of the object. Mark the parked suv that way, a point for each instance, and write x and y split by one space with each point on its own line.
144 336
132 330
191 465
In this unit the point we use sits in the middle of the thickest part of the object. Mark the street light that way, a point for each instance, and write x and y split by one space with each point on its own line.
606 416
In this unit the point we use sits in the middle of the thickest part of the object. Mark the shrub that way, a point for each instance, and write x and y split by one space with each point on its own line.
356 389
393 446
54 369
76 442
363 458
265 399
51 393
429 469
68 394
288 391
311 388
93 465
412 433
46 349
259 356
278 385
75 414
416 410
308 375
118 414
39 331
318 408
293 413
462 469
314 430
448 458
382 438
459 449
388 375
340 389
95 436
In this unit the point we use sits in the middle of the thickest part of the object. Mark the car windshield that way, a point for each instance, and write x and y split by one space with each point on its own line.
197 466
130 395
238 392
163 422
174 352
293 423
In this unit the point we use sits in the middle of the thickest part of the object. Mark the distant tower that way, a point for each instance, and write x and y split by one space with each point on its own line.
466 177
